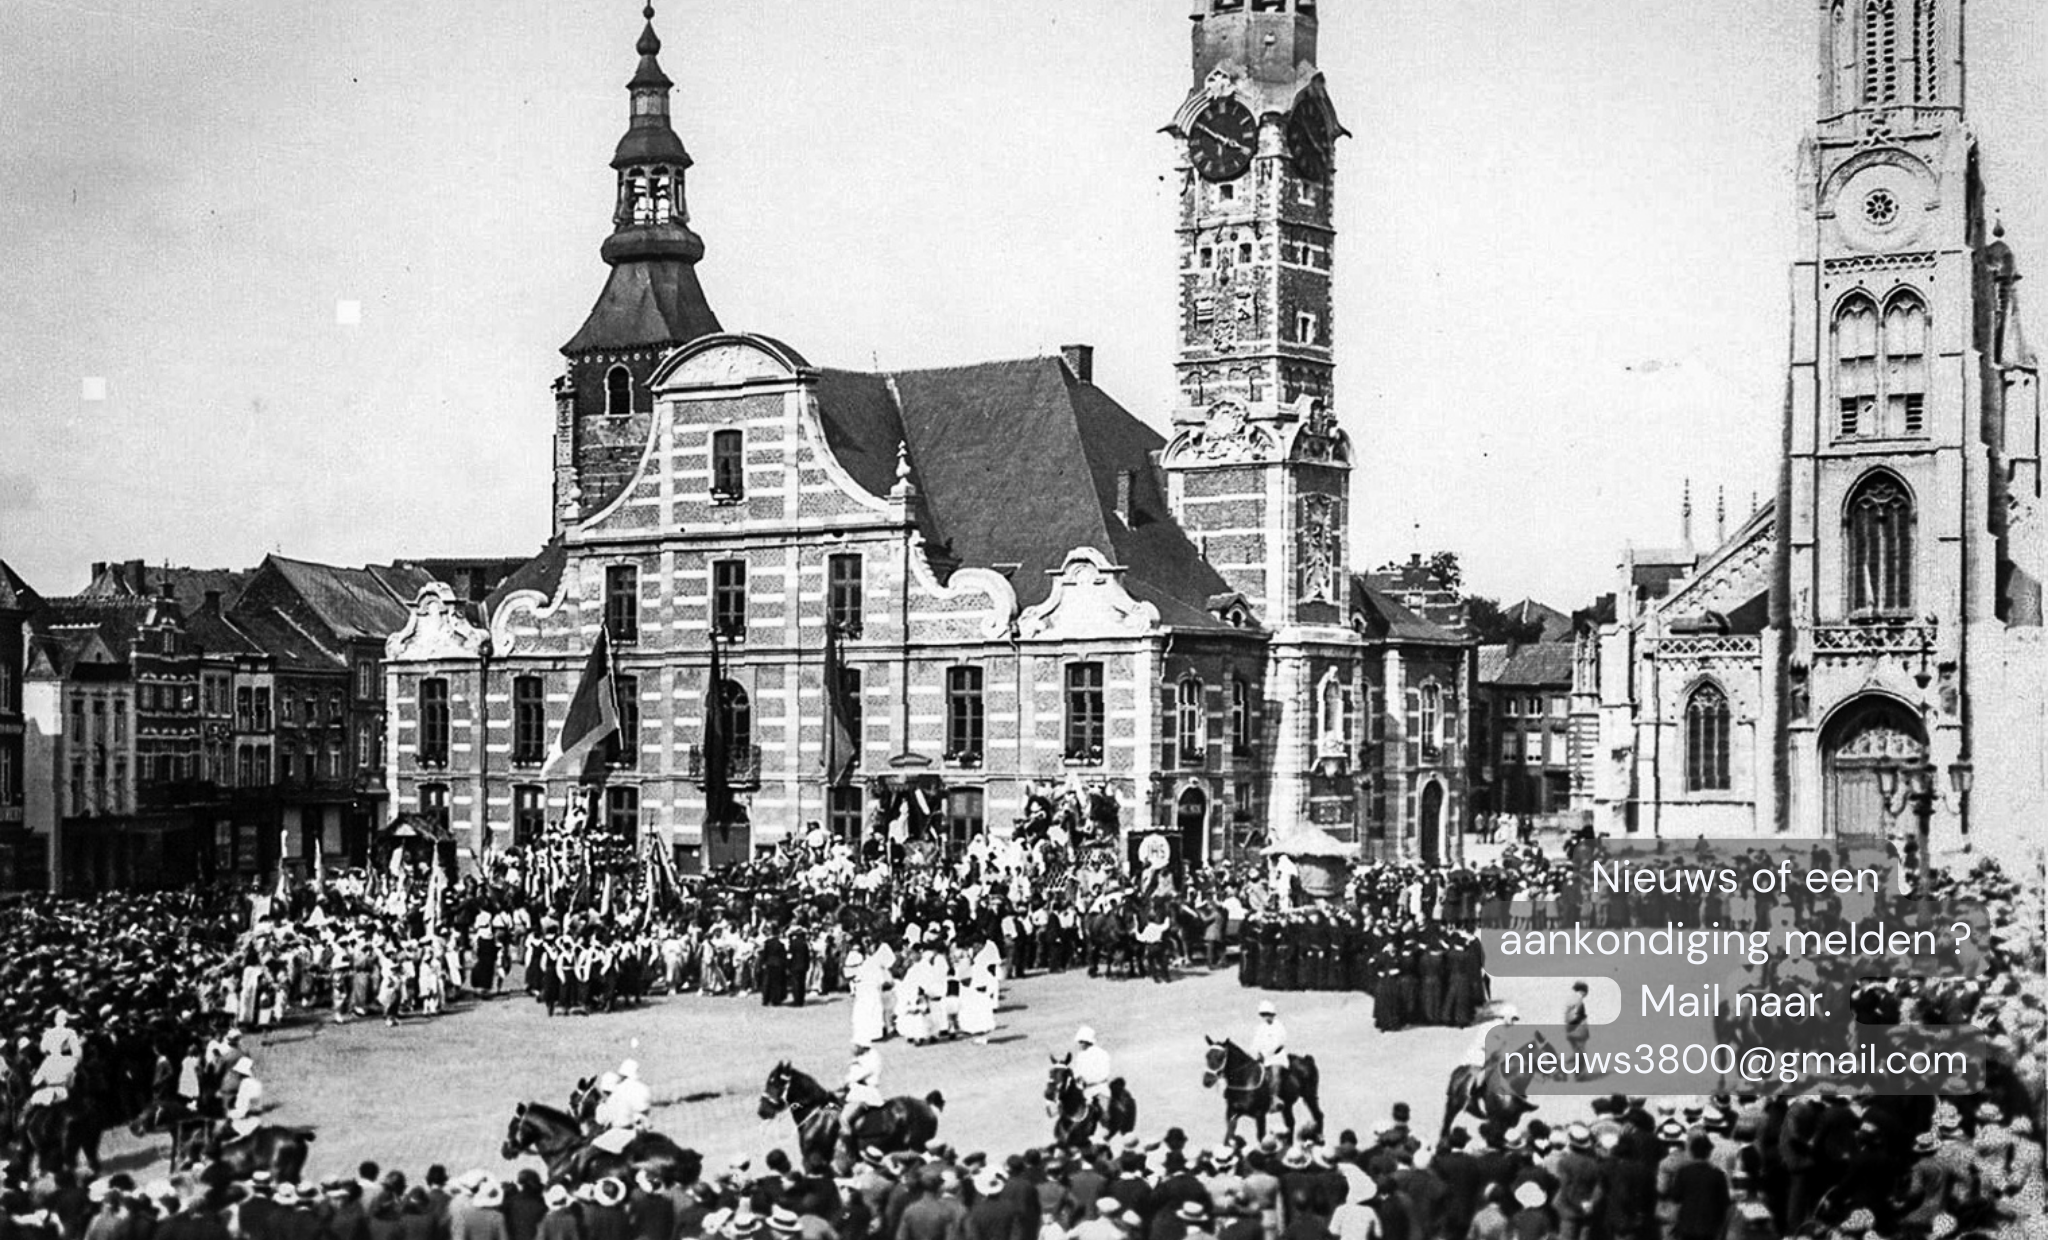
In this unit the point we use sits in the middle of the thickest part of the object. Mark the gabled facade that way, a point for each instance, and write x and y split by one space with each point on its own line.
1029 587
1885 610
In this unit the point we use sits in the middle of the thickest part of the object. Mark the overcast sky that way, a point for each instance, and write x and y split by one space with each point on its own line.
1561 277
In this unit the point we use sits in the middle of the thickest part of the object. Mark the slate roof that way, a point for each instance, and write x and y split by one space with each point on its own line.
354 602
1388 619
543 573
1017 462
646 303
188 585
1546 664
16 594
63 628
1556 625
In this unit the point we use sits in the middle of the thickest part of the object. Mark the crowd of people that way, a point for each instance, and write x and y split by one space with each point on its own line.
140 1003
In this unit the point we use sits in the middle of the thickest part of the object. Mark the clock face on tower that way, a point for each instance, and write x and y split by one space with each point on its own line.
1308 143
1222 140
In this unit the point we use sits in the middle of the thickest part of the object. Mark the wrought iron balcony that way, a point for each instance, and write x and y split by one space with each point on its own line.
742 766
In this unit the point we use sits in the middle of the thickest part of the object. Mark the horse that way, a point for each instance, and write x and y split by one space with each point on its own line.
1075 1117
275 1148
55 1135
1492 1094
573 1156
1112 942
1246 1093
901 1123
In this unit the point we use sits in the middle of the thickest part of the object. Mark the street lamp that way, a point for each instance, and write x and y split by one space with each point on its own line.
1917 785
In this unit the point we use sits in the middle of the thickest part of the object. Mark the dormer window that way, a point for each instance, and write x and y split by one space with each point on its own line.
728 465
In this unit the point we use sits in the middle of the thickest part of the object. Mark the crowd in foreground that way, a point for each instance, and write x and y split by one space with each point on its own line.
1726 1169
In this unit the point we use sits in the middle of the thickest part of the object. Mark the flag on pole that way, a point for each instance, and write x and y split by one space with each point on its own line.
842 746
717 749
593 711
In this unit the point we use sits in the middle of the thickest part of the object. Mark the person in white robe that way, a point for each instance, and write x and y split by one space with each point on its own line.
870 1013
979 992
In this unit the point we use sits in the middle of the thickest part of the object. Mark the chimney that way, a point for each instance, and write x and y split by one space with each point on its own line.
99 570
1080 359
1126 499
134 576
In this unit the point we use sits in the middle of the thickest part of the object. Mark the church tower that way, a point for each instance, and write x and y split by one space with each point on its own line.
651 303
1912 435
1257 470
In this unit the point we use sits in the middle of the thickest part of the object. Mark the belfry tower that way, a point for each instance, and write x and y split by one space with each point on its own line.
651 303
1257 470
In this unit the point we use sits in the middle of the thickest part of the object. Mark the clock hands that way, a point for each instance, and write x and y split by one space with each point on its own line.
1235 144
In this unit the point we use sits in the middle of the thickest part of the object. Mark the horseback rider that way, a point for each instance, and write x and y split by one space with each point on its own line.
628 1102
1475 1055
1269 1043
62 1050
1092 1070
863 1085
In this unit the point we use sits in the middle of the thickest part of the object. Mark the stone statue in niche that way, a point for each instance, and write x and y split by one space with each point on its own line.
1319 550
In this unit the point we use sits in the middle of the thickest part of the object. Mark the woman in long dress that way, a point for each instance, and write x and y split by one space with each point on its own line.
249 998
978 994
870 1018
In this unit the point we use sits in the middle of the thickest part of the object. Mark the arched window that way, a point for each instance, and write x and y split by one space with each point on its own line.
736 718
1856 367
1706 740
1905 367
1927 53
618 392
1880 53
1879 539
1432 716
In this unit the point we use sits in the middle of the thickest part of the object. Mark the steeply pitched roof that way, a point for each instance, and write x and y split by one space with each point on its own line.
353 602
1538 664
134 579
67 627
646 303
1390 621
543 573
15 594
1018 463
1556 625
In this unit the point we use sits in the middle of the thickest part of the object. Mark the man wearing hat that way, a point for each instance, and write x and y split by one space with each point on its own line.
1269 1043
604 1215
1581 1185
1092 1069
560 1222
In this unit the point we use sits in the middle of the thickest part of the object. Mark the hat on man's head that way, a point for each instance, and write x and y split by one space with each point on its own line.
558 1197
610 1191
1530 1195
1192 1212
490 1195
784 1222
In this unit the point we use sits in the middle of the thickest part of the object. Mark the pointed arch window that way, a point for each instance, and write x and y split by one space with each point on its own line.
1880 53
1881 368
618 392
1879 541
1707 727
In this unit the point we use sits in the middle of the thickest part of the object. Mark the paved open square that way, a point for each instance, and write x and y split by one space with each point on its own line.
442 1090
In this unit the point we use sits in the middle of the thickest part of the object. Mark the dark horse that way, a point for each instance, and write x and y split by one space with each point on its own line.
901 1123
1492 1094
1246 1095
572 1156
57 1134
1075 1118
275 1148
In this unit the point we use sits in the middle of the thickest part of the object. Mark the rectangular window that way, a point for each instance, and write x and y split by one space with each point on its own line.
529 815
1305 327
1532 749
366 679
622 813
728 465
245 710
1511 747
1533 708
1086 715
964 714
1192 723
433 740
622 748
1240 716
9 785
1557 707
843 813
622 602
367 757
119 709
963 816
262 696
288 707
729 598
1511 707
843 593
434 804
287 765
529 720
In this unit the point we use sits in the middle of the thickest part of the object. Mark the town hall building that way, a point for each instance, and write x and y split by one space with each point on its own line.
1024 586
